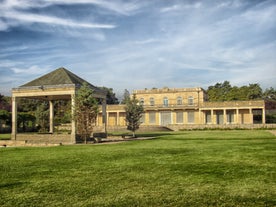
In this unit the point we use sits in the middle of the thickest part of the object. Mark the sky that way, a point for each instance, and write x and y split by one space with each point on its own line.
137 44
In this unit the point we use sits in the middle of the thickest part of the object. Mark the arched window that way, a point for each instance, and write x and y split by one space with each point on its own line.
179 100
142 101
190 100
165 101
152 101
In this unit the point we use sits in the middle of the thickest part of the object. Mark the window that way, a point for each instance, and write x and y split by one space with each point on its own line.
165 101
152 101
179 117
191 117
179 100
152 118
190 100
142 101
230 117
142 118
208 118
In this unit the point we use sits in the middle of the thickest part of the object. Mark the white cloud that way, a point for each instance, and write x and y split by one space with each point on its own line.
32 70
15 13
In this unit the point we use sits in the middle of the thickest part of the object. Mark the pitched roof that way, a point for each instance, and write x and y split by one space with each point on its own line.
59 76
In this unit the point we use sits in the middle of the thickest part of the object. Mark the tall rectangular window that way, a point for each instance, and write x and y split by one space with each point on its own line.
179 117
152 118
190 101
208 118
191 117
152 101
230 117
143 118
165 102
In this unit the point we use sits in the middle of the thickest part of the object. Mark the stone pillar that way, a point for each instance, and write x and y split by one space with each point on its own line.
212 116
51 109
117 118
237 117
199 116
263 116
251 116
14 118
73 122
224 116
105 115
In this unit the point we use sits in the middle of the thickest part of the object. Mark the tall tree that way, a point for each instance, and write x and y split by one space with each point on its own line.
225 92
86 111
134 113
110 96
270 94
126 97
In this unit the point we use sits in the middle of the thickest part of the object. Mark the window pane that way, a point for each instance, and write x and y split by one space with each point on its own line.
152 117
152 101
191 116
165 101
179 100
179 117
191 100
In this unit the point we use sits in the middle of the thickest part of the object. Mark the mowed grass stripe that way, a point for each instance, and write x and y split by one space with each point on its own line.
190 168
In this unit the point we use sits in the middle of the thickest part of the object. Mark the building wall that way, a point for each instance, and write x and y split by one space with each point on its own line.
166 106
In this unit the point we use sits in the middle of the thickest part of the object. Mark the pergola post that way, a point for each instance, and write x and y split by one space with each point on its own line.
73 122
14 118
263 116
104 114
51 108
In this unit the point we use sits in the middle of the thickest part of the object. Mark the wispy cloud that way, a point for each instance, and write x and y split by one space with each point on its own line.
136 44
17 12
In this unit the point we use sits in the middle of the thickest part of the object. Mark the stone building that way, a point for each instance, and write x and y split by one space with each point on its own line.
178 108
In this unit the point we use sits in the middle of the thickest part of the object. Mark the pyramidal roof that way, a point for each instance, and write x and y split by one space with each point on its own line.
59 76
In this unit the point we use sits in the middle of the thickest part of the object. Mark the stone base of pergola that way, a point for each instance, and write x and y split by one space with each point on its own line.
46 138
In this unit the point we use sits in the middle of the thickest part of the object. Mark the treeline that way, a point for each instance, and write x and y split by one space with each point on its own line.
225 92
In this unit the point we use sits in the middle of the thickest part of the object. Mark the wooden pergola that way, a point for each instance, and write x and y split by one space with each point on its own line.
59 84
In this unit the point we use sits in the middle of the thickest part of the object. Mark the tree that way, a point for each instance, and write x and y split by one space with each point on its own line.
126 97
269 94
42 116
5 103
225 92
110 96
134 113
86 110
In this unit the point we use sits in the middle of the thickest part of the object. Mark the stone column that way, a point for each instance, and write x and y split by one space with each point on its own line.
14 118
224 116
51 108
263 116
73 122
251 116
104 114
212 116
117 118
199 116
237 117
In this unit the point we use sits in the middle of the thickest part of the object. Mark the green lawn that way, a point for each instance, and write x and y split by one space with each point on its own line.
191 168
5 136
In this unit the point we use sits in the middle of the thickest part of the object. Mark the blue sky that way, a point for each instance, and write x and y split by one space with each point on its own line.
139 44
